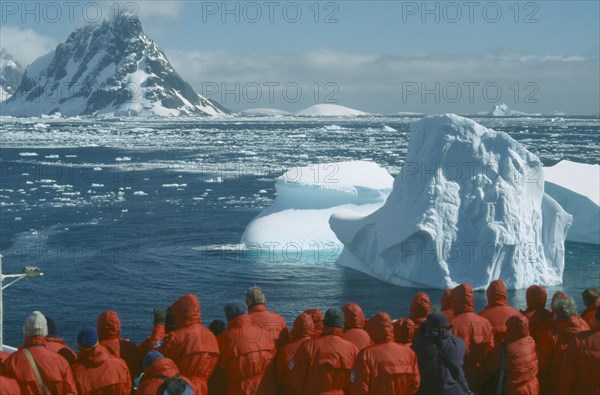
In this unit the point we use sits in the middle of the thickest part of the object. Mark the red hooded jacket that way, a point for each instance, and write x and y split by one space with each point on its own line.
354 323
317 317
404 330
192 347
9 386
581 364
322 365
590 312
109 334
155 375
552 344
546 326
58 345
386 367
304 329
98 372
536 312
446 303
54 369
270 321
420 307
475 330
247 358
521 363
497 312
149 343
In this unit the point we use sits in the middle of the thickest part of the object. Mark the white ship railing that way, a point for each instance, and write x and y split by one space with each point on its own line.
28 272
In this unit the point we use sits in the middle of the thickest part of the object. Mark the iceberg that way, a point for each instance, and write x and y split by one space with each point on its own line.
306 198
468 206
330 110
576 187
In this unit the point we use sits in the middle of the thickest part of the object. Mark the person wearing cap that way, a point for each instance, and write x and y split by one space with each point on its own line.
475 330
56 344
324 364
247 354
591 299
581 361
157 371
386 367
108 325
268 320
96 370
440 357
520 360
566 325
37 369
354 326
191 345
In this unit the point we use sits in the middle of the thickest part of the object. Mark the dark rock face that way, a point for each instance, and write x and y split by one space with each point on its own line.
11 73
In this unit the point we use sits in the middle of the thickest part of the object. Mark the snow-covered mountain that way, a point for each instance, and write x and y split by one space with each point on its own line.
110 68
11 73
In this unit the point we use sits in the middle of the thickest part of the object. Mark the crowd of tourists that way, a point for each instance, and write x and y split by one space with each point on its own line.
445 350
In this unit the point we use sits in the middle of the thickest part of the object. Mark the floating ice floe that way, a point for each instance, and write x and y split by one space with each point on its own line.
306 198
464 209
576 187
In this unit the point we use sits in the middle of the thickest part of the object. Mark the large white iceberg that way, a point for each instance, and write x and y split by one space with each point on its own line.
467 207
306 198
330 110
576 187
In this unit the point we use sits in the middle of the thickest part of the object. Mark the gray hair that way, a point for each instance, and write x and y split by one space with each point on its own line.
564 307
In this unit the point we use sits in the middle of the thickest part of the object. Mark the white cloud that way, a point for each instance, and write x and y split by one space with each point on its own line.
25 45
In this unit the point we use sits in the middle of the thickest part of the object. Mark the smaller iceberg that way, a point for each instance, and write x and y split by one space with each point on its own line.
306 198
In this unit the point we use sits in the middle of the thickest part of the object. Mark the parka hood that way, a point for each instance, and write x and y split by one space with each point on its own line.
353 316
380 328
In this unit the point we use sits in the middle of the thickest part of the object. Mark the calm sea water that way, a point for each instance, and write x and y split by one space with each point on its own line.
127 215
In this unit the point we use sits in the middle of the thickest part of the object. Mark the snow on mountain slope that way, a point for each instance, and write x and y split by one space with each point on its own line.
11 73
108 68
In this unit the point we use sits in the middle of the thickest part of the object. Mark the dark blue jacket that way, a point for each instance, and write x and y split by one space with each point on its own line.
437 377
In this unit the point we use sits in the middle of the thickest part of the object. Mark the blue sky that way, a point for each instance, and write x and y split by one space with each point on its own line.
378 56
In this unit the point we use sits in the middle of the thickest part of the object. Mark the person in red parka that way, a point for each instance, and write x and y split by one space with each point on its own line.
591 299
303 330
9 386
56 344
96 370
385 367
581 362
109 333
54 369
475 330
192 347
497 311
521 362
268 320
317 317
354 325
446 303
546 326
157 371
420 307
536 312
164 322
552 343
323 365
405 330
247 354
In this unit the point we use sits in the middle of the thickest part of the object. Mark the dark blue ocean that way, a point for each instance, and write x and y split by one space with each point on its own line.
131 214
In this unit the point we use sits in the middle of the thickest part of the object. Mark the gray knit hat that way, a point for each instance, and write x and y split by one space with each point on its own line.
35 325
